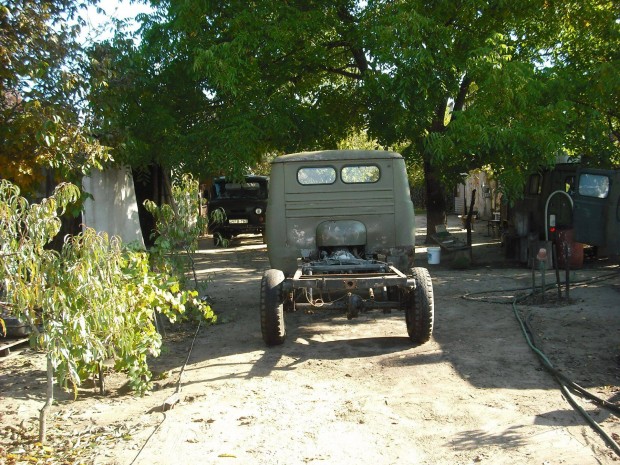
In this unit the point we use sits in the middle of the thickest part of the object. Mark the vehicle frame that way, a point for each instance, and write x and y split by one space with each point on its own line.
340 234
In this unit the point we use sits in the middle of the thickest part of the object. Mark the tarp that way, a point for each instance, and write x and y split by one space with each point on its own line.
113 208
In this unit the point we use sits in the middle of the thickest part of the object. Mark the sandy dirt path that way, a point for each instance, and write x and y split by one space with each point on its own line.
356 391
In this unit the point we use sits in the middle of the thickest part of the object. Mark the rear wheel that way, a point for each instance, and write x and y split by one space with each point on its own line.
420 307
272 308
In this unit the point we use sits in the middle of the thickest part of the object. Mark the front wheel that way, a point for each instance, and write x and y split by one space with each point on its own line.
272 308
420 307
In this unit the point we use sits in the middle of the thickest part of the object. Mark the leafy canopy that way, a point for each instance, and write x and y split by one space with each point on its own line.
457 85
41 90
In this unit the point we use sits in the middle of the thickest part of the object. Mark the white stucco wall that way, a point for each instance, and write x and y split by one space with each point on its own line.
114 208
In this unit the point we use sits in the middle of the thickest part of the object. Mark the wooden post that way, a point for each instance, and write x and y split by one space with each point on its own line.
554 258
567 264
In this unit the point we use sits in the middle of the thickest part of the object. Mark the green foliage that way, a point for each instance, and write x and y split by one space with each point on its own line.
93 301
455 85
218 216
222 86
92 312
474 84
41 85
177 229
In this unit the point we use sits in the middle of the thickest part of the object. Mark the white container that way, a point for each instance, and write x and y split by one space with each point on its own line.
434 255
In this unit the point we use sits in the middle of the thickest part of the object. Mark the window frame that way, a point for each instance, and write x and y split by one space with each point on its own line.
331 167
580 188
365 165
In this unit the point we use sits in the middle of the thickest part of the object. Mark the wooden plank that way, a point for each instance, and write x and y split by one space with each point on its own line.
5 346
171 401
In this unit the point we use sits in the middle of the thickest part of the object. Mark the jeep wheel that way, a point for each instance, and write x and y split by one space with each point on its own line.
420 307
272 308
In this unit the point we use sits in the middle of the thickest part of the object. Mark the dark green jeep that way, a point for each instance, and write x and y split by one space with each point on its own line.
242 207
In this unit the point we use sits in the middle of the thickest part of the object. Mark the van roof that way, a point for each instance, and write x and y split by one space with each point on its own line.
247 177
337 155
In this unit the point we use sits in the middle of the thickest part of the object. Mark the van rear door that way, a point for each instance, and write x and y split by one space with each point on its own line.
596 207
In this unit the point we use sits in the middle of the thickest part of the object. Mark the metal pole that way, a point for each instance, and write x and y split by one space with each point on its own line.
567 264
556 265
542 264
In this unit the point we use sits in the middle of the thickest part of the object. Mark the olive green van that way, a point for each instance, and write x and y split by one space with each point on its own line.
340 233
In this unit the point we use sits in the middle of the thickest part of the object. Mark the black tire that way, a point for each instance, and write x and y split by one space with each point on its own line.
420 307
272 308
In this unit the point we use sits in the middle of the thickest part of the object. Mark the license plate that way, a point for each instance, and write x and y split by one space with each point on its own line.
242 221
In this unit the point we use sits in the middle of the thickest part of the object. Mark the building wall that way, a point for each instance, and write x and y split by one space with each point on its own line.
487 198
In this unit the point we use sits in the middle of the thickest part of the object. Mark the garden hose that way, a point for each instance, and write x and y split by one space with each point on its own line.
566 384
176 392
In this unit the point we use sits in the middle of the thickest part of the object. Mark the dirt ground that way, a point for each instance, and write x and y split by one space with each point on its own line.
351 391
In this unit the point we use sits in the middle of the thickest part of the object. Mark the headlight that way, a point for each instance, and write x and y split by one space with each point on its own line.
258 211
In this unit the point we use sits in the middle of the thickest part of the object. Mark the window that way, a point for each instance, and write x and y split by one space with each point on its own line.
535 184
319 175
360 174
231 190
593 185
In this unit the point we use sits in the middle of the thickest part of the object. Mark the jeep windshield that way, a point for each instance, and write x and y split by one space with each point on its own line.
232 190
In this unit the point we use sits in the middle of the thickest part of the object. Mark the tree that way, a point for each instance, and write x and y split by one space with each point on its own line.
93 301
40 90
212 118
587 59
460 85
469 85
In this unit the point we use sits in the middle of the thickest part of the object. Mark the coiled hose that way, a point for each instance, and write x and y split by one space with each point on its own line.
566 384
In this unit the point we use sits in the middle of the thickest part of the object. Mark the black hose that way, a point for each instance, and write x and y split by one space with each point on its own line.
177 390
468 296
570 383
565 383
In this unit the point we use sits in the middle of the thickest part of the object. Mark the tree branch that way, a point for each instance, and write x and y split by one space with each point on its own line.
343 72
459 101
358 53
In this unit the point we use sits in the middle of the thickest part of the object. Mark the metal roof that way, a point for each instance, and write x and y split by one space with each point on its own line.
337 155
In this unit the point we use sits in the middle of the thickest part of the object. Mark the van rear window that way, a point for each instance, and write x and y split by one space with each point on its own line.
309 176
593 185
360 174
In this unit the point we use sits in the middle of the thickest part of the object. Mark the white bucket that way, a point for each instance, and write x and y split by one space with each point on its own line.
434 255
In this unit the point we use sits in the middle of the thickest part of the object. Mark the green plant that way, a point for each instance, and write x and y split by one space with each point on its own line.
177 228
93 301
218 216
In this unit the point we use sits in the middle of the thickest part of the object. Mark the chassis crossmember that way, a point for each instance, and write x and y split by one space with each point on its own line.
347 279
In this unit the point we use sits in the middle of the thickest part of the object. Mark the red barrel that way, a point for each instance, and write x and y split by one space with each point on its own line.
565 243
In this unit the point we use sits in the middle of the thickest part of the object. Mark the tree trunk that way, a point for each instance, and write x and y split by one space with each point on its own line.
435 192
48 402
435 200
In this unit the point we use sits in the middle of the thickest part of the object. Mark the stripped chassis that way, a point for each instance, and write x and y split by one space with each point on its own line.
378 281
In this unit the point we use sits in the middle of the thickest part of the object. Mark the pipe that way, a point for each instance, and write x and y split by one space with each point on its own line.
570 199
